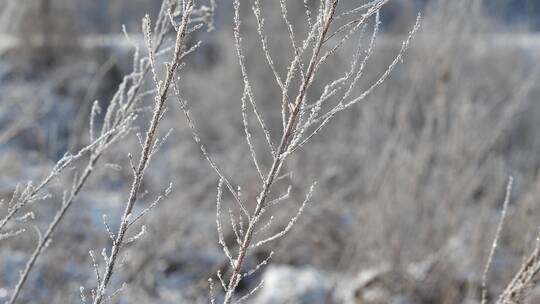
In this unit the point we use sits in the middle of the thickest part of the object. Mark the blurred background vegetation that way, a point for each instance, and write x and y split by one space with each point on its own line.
410 182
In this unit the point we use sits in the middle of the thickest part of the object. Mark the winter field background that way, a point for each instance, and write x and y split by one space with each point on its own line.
410 181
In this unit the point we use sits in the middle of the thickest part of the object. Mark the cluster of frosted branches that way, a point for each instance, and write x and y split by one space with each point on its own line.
31 193
191 19
118 121
328 30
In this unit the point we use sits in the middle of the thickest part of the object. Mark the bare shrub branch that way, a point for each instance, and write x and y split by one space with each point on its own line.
296 114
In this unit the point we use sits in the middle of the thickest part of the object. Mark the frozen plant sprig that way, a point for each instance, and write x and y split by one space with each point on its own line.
150 144
118 122
495 242
327 32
